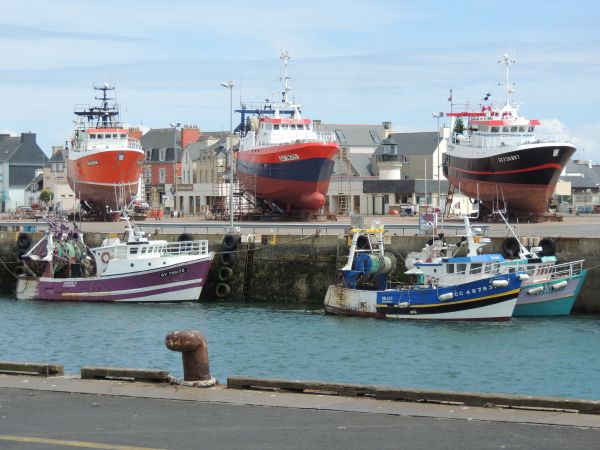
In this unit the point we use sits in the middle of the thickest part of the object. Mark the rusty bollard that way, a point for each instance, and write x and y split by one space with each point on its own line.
194 349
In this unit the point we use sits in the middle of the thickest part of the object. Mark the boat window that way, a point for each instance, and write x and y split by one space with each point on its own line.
276 126
449 268
487 268
475 268
292 126
513 129
461 268
495 129
531 129
92 136
505 129
121 156
143 250
133 250
284 126
301 127
115 136
123 136
521 129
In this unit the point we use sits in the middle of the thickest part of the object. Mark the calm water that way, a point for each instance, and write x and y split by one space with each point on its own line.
554 356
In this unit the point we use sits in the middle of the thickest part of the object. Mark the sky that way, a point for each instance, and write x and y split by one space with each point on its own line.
353 61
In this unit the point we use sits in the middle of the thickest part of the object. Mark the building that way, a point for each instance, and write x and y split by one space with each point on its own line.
55 179
20 157
584 179
162 166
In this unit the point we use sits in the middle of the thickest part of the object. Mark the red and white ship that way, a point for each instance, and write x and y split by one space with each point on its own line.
282 159
104 163
497 158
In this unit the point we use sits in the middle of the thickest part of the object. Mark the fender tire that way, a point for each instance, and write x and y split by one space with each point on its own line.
184 237
510 247
548 247
230 241
227 259
225 273
222 290
24 241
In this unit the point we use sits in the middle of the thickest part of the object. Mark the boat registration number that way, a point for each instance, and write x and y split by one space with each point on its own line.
170 273
290 157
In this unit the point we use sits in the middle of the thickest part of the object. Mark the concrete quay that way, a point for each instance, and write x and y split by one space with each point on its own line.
69 412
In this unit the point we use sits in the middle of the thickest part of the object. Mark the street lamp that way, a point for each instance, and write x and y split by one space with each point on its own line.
174 191
437 115
229 85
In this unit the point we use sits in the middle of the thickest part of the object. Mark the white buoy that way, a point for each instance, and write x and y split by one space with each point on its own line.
535 290
446 296
500 283
523 277
559 285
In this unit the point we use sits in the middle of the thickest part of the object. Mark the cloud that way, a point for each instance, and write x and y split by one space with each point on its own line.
584 136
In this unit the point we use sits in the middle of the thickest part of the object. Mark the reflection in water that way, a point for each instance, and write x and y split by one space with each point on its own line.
536 356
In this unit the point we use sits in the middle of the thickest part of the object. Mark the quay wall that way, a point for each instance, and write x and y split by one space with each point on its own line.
297 269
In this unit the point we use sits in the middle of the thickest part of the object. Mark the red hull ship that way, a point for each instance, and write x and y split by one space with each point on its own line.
104 164
282 160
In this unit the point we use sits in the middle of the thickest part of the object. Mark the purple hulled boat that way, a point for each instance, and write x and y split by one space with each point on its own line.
135 269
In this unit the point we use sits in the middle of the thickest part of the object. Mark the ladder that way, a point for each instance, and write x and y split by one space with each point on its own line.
248 266
449 198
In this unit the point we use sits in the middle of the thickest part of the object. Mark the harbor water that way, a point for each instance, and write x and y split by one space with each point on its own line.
531 356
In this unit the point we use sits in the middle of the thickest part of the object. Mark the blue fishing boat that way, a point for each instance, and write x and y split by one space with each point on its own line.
486 291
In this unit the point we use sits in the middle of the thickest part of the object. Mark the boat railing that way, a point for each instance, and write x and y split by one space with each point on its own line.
169 249
567 269
507 140
294 138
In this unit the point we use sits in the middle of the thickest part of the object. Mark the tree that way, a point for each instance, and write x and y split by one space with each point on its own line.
46 195
459 126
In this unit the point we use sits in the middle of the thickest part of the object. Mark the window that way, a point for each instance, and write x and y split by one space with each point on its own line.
162 175
505 129
521 129
450 268
284 126
513 129
123 136
461 268
121 156
341 136
495 129
375 136
292 127
276 126
162 152
531 129
475 268
148 155
115 136
301 127
92 136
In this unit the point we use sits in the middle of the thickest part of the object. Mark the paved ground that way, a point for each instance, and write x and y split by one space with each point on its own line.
38 413
587 225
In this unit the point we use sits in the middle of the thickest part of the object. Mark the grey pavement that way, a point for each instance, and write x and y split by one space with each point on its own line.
64 412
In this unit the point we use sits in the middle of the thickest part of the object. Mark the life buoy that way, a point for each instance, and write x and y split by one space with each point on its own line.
184 237
510 248
105 257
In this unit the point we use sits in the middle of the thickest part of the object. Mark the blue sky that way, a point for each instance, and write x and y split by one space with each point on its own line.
352 61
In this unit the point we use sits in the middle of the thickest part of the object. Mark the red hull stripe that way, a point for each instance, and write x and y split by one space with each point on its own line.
502 172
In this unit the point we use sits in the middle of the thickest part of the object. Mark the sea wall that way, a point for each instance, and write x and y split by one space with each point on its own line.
298 269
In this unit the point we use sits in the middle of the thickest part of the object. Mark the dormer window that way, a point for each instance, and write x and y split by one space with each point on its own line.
162 153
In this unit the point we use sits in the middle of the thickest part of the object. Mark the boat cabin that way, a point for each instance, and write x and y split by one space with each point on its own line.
103 138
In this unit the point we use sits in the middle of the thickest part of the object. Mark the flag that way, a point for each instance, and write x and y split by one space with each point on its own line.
450 98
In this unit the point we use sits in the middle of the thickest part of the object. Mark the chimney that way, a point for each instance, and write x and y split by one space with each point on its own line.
387 125
189 134
135 133
28 138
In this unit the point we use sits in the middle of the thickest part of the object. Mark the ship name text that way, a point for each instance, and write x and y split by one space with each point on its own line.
503 159
290 157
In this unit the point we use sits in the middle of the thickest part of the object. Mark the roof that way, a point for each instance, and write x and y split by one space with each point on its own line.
24 156
160 138
355 135
8 146
581 175
416 143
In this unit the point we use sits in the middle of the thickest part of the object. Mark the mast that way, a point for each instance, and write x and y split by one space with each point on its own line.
285 57
105 115
507 62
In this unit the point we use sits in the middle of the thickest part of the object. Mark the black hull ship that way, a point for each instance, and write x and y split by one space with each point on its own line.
497 159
